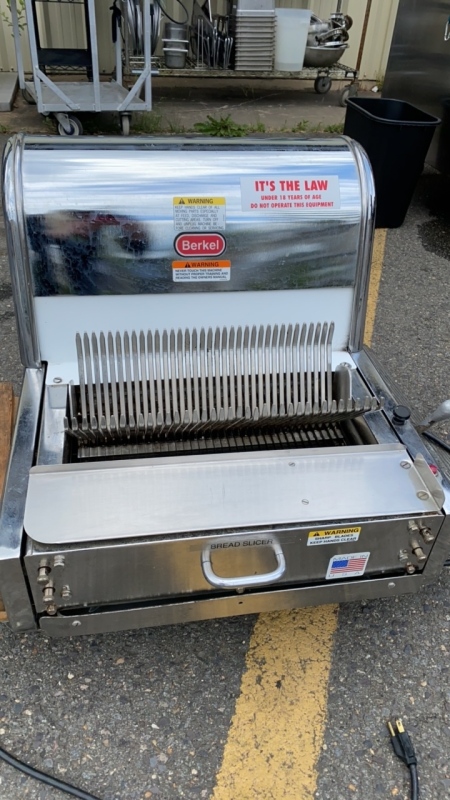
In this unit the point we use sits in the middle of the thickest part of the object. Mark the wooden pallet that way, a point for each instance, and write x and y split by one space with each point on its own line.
8 407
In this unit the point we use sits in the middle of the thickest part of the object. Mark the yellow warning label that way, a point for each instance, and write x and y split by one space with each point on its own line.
199 201
334 536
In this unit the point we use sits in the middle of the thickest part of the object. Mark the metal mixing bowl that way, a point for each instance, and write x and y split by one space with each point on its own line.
323 56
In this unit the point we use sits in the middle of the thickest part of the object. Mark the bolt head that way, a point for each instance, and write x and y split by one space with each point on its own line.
410 569
427 535
405 464
423 495
76 623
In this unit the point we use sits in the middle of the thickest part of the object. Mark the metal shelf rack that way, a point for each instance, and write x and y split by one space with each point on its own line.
63 98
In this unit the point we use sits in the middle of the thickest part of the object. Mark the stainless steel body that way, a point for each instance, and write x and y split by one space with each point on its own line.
418 68
213 441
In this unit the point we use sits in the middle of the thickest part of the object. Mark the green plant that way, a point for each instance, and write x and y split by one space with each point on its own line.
175 127
3 129
224 126
337 128
300 127
258 128
21 15
147 122
248 92
379 80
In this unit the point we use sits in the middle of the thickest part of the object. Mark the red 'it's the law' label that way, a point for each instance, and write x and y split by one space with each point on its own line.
296 193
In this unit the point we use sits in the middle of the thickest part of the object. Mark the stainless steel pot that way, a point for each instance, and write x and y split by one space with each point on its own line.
324 56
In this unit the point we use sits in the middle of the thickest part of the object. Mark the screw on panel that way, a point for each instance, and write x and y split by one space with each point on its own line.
57 380
52 609
418 552
65 592
391 585
423 495
427 535
76 623
58 561
49 591
410 569
403 555
43 571
405 464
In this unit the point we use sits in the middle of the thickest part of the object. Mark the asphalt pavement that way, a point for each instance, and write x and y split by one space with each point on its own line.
146 714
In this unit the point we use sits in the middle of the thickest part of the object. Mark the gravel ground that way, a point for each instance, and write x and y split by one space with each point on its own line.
392 658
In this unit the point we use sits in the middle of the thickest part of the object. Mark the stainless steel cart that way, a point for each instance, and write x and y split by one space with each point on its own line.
323 77
64 98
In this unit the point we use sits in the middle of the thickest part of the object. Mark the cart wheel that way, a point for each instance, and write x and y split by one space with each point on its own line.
322 85
125 121
28 97
348 91
76 128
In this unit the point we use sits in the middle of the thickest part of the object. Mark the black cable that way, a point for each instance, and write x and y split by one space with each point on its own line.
116 21
49 780
433 438
404 750
414 782
171 19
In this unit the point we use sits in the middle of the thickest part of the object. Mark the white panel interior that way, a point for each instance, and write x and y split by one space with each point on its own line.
59 319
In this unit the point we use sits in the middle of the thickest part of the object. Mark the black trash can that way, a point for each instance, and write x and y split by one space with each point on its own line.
396 136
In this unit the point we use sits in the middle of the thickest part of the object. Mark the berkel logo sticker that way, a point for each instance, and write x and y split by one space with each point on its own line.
200 245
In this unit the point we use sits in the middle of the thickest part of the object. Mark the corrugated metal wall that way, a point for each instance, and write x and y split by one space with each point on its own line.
63 26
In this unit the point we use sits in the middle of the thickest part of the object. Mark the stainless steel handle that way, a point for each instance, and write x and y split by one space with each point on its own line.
244 581
447 31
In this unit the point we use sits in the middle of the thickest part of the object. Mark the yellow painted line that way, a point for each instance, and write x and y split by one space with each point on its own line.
277 731
379 245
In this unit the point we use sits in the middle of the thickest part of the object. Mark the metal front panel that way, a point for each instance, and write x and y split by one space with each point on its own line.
418 69
101 501
100 222
194 610
121 572
15 592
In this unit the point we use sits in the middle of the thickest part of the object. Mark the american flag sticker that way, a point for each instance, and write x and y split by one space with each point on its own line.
348 565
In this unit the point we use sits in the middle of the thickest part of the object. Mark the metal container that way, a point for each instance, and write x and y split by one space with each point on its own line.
316 27
176 45
200 433
324 56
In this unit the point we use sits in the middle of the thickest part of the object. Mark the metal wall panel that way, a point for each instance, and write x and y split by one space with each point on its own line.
418 71
67 28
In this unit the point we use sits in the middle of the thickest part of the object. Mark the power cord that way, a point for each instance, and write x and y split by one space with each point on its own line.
400 740
49 780
404 750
